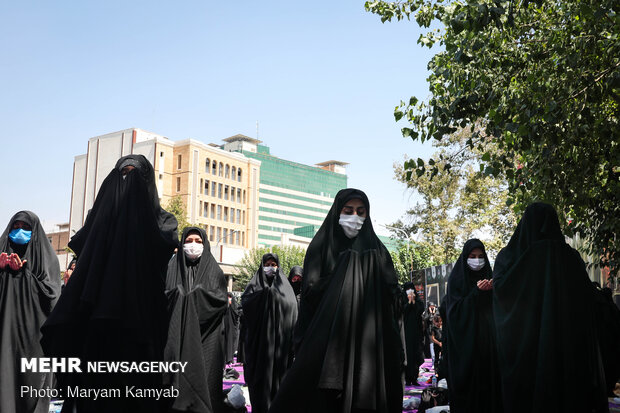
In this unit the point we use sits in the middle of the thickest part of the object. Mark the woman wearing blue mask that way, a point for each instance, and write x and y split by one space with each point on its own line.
29 287
469 335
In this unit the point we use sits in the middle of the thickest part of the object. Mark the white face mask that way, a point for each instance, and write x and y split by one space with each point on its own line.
476 264
193 250
270 271
351 224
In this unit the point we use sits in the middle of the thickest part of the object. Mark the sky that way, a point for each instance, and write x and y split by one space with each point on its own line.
321 78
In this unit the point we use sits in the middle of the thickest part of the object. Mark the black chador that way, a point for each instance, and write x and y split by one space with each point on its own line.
270 313
231 329
349 354
113 307
295 277
544 303
414 334
471 355
28 293
196 291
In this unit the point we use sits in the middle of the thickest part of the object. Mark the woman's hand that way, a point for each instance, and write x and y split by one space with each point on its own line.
15 262
4 260
485 285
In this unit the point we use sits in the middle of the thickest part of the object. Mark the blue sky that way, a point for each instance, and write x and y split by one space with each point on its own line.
322 79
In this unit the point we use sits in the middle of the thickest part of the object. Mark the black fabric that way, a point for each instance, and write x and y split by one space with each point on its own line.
295 277
471 355
544 314
414 334
27 297
113 308
270 313
197 301
349 353
608 326
231 329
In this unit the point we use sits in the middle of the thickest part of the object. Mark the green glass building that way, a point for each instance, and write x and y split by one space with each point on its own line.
293 198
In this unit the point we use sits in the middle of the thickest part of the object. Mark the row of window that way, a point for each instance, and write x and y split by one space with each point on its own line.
222 191
221 213
217 168
227 236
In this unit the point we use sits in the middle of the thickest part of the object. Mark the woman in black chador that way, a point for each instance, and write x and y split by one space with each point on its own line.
349 355
29 287
114 308
471 355
414 334
197 301
295 277
270 312
231 329
544 303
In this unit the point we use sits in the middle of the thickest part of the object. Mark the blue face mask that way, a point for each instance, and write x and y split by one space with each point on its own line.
20 236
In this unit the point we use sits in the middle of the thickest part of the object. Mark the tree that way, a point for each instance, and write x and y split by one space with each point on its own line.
542 80
405 255
457 204
176 207
288 255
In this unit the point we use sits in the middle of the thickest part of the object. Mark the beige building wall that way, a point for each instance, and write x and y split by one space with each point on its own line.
219 190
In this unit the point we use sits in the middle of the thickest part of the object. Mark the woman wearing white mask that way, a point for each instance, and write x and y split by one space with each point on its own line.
348 351
469 335
197 300
269 312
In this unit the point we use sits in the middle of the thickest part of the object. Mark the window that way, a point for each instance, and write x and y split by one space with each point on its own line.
179 161
200 187
179 184
226 192
219 212
238 216
233 173
212 234
243 218
206 187
225 236
232 193
161 176
221 170
214 168
232 215
226 214
244 196
207 165
219 233
206 210
227 173
200 208
239 175
49 239
161 154
237 237
213 189
212 211
243 239
238 194
219 191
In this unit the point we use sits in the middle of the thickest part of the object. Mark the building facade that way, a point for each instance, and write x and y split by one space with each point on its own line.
218 188
293 198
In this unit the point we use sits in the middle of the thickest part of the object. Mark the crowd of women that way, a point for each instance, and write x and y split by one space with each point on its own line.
341 335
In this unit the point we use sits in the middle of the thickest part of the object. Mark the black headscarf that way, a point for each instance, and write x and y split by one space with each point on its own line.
114 307
295 277
270 313
414 335
349 352
470 336
543 304
26 298
196 291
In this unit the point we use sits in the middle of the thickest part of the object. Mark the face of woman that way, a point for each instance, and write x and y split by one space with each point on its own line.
354 206
193 237
270 263
21 225
476 253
